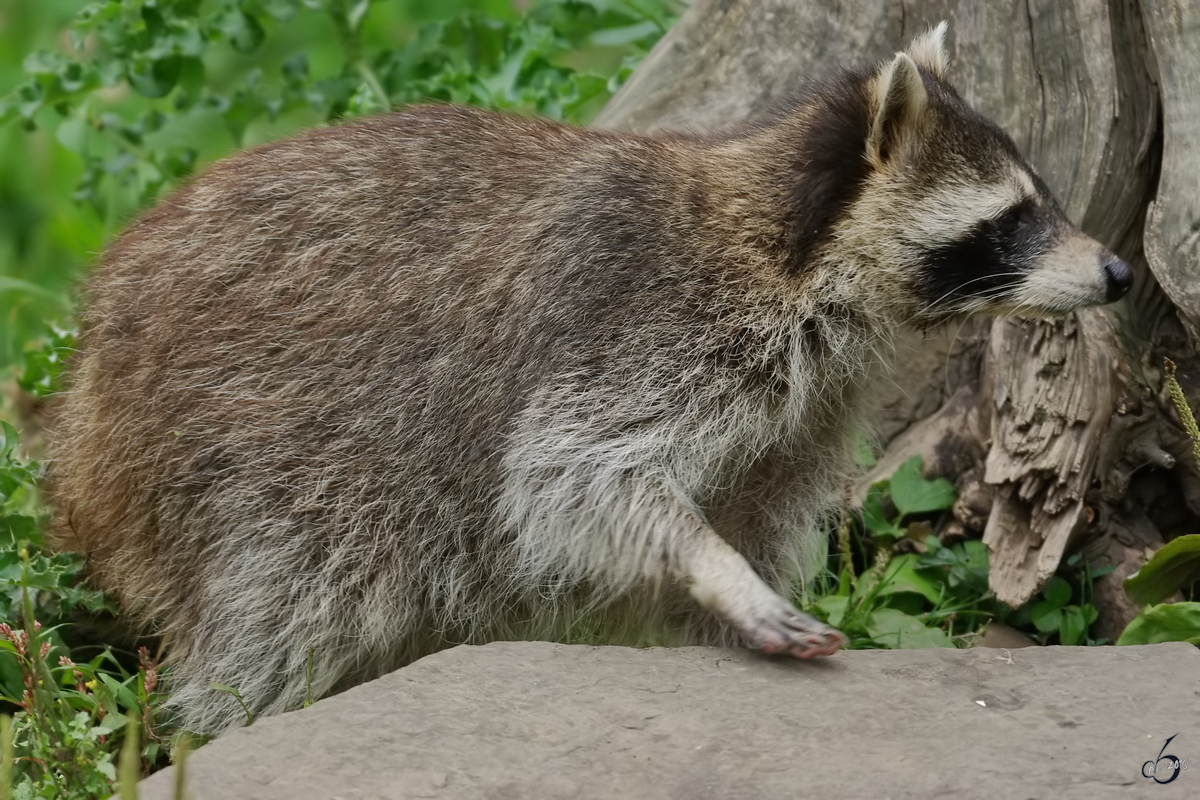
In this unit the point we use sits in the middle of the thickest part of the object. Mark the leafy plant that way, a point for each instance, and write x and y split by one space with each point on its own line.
1054 613
69 715
52 581
73 716
183 63
40 374
910 494
929 599
1062 612
939 596
51 584
1175 567
1169 622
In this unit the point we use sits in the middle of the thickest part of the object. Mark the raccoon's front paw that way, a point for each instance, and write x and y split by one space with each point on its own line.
783 629
721 581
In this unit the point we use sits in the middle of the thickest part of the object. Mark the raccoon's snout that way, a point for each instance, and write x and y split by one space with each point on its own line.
1119 277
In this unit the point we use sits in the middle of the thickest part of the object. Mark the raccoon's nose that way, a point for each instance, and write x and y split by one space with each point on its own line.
1119 275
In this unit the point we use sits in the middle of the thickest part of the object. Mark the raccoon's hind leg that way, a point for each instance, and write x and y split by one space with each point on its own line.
722 581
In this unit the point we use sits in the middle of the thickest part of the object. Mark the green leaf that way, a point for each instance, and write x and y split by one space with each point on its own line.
281 10
908 602
8 439
1175 566
1046 616
1057 592
1072 629
901 575
913 494
12 679
178 163
74 77
846 581
108 700
72 133
295 70
612 37
899 631
1170 622
43 62
974 556
191 83
113 721
121 692
232 690
875 518
965 566
95 13
155 78
242 30
833 607
105 767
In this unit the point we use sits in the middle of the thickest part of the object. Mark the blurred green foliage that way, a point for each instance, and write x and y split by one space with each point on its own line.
109 103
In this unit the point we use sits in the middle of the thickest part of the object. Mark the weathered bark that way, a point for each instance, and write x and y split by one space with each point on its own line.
1055 432
1173 227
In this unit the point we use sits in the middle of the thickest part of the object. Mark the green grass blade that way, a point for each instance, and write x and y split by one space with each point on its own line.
130 768
6 757
183 748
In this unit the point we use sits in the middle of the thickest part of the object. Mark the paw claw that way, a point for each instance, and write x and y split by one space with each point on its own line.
785 630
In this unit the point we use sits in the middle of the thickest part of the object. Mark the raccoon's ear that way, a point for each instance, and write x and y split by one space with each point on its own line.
929 51
898 101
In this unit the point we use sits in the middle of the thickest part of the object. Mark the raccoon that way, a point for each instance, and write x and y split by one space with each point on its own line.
449 376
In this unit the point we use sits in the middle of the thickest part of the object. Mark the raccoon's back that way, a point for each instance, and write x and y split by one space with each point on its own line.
338 330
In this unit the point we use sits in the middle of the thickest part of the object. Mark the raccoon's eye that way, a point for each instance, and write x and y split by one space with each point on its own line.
1012 219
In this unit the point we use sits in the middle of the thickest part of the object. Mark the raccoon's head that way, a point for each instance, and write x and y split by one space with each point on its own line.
945 216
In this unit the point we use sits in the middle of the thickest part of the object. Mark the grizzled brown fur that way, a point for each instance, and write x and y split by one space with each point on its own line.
448 376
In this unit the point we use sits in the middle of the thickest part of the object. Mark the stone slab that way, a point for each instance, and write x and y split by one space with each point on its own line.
537 720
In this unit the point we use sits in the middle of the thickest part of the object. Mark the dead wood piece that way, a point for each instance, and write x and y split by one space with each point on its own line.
1052 406
974 503
1173 224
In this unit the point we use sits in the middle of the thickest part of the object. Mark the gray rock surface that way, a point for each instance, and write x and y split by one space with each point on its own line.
536 720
